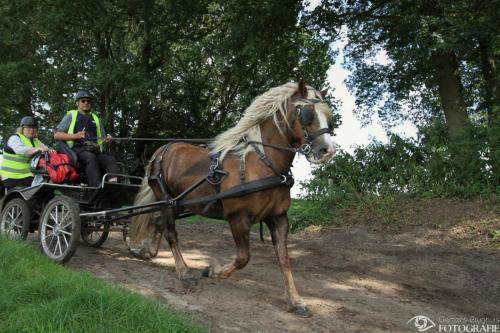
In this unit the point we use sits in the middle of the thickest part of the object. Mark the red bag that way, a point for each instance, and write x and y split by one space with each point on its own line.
59 168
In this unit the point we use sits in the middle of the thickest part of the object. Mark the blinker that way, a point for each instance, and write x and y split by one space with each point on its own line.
307 114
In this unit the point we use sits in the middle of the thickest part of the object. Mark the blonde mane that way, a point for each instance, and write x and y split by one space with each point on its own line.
263 107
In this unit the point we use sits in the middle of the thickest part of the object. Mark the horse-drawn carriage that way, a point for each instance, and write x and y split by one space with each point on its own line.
58 211
244 178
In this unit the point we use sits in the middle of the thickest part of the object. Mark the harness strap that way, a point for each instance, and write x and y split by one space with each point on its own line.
242 170
159 176
215 177
291 149
243 189
319 132
264 159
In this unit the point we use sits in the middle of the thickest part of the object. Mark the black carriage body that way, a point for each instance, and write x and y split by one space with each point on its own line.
109 195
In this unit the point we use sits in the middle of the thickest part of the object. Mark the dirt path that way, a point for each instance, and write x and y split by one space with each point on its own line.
352 279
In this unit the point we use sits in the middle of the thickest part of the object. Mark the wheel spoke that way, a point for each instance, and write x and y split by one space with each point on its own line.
67 224
58 245
51 240
64 237
65 216
66 233
54 218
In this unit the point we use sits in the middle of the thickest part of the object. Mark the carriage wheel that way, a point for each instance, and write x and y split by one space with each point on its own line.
16 219
94 233
59 229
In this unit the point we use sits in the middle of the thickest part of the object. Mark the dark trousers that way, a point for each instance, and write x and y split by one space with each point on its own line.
10 183
94 164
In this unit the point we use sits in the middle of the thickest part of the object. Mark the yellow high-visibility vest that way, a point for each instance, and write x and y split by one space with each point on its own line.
71 129
16 166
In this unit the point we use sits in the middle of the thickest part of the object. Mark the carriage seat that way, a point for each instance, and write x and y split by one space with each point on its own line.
63 148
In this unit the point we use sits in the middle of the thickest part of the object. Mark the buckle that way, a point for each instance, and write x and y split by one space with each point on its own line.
214 165
306 149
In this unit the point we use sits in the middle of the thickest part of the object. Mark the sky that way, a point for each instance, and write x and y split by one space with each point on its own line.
350 133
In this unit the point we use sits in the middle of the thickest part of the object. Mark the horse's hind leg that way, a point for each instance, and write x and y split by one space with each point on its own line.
240 228
278 227
183 272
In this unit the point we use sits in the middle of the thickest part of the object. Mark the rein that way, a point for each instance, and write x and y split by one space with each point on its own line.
127 139
305 149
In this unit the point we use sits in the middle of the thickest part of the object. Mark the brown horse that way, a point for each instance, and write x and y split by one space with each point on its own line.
262 144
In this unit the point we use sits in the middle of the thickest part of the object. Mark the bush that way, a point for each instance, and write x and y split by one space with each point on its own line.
429 167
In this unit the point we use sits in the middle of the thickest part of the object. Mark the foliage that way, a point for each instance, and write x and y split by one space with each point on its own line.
422 61
157 68
407 33
37 295
406 167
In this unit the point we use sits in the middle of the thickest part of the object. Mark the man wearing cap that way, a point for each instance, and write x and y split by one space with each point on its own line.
84 132
20 147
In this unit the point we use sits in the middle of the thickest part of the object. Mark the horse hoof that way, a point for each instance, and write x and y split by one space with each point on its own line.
189 282
300 311
138 253
207 271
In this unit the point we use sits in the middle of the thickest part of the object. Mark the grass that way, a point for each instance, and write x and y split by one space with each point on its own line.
199 219
301 214
37 295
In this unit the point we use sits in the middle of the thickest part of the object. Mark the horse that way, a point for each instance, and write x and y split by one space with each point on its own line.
279 123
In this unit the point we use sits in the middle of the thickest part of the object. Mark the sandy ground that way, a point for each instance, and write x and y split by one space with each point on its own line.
353 279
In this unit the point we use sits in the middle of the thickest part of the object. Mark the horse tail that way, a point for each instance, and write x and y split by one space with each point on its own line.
142 227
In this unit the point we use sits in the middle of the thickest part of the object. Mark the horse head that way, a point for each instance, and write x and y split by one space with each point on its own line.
311 124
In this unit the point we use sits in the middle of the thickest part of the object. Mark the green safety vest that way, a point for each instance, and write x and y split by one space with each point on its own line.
16 166
71 129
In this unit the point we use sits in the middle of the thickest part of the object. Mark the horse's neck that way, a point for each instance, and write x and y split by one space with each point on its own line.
281 158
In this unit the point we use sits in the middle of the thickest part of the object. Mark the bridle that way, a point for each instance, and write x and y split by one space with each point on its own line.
306 106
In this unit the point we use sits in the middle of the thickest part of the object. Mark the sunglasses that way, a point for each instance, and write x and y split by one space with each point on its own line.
85 101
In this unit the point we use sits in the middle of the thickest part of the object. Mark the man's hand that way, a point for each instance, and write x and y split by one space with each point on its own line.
47 150
79 135
108 139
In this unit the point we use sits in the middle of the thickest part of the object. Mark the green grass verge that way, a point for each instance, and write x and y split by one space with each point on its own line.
37 295
302 213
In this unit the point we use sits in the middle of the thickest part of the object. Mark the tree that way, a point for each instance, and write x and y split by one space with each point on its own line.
435 50
159 68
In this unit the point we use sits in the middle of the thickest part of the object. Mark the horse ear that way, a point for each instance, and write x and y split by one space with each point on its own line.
324 92
302 88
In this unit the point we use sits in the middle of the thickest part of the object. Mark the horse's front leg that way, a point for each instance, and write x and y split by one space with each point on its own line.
183 272
278 226
240 228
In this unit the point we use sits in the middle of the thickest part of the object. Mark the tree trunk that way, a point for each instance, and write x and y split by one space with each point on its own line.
144 124
450 92
462 147
492 104
492 98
